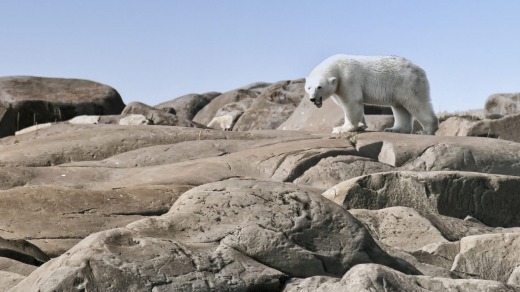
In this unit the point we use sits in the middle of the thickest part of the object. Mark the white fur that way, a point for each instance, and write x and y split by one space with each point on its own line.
392 81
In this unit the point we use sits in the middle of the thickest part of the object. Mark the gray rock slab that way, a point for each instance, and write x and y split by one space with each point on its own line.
237 234
492 199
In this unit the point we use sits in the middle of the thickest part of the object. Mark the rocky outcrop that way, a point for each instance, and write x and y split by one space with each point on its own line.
502 104
157 116
187 106
26 101
491 199
269 232
505 128
91 204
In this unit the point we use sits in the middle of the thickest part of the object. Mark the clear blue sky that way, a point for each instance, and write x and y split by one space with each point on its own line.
154 51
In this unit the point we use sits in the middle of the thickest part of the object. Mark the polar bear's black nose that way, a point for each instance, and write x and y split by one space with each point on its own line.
313 99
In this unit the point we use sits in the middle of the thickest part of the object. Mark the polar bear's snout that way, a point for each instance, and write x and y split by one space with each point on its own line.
317 101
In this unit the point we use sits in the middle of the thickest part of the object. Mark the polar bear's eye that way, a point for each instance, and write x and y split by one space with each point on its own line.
319 87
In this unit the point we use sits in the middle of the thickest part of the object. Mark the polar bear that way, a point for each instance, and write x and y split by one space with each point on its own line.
392 81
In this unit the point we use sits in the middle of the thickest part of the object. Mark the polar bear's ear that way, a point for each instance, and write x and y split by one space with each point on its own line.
332 80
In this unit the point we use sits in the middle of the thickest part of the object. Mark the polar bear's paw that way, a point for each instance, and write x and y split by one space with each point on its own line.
397 130
346 129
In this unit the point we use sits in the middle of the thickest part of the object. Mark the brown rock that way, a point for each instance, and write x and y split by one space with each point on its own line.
60 217
373 277
432 153
505 128
157 116
492 199
231 235
272 107
187 106
489 256
244 96
26 101
502 104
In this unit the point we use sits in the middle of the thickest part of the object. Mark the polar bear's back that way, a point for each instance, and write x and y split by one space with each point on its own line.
374 64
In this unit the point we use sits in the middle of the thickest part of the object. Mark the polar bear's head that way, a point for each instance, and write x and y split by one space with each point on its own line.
320 88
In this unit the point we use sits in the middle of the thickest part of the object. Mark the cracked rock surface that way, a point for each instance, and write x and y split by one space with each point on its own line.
106 207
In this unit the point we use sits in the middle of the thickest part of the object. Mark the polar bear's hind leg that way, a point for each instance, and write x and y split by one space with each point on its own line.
402 121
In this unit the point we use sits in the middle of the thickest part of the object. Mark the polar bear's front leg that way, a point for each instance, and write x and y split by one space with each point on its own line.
354 114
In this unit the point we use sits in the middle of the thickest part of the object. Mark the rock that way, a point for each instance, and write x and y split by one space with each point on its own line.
183 151
157 116
505 128
134 120
89 120
373 277
307 117
272 107
243 96
187 106
433 153
282 162
64 143
26 101
32 128
22 251
239 234
488 256
399 227
228 115
503 104
492 199
61 217
17 267
335 169
9 280
442 254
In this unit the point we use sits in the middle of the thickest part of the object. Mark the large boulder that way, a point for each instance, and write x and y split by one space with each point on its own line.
272 107
502 104
489 256
60 217
234 235
435 153
492 199
157 116
26 101
187 106
244 97
399 227
505 128
373 277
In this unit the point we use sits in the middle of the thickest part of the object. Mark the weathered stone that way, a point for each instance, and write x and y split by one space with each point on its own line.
243 96
489 256
65 216
373 277
187 106
22 251
492 199
26 101
89 120
134 120
335 169
64 143
9 280
399 227
228 115
272 107
433 153
32 128
502 104
231 235
14 266
505 128
157 116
